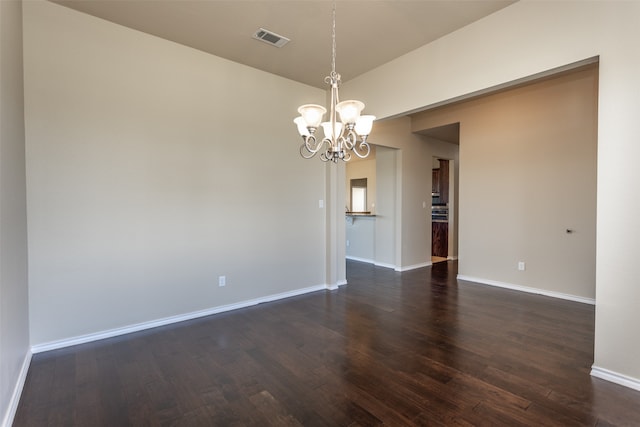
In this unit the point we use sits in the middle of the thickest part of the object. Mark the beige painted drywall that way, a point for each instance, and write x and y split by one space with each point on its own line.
14 311
408 184
360 232
387 223
360 238
152 169
528 174
335 251
362 169
523 40
412 239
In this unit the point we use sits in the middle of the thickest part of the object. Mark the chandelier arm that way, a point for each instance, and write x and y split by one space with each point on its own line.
350 139
304 149
311 144
327 142
364 146
308 150
324 156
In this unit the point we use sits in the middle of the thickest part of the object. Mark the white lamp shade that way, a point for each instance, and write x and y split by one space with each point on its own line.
326 128
349 111
302 126
312 114
364 125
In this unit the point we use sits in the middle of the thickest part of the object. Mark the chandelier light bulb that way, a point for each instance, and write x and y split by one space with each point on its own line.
331 132
302 126
349 111
364 125
312 114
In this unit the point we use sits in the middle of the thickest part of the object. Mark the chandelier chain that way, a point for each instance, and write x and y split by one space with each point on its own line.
333 36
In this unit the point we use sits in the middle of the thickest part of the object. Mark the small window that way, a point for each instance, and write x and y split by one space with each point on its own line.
359 195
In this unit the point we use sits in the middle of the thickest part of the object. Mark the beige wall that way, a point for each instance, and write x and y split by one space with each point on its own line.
406 185
362 169
146 182
14 311
528 174
360 232
360 236
403 210
515 43
387 224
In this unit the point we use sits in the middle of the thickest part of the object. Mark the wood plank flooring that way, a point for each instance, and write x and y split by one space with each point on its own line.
415 348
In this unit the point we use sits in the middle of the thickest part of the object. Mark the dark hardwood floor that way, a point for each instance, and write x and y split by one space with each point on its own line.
412 348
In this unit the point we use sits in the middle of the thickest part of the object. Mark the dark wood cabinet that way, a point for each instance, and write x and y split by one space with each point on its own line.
440 181
443 181
440 230
440 239
435 181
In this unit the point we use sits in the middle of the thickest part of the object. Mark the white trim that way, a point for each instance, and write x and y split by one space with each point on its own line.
17 392
381 264
527 289
452 258
335 286
53 345
615 377
355 258
414 266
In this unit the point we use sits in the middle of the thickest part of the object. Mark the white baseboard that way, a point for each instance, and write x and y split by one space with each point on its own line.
67 342
527 289
370 261
336 285
395 267
414 266
355 258
384 265
614 377
7 420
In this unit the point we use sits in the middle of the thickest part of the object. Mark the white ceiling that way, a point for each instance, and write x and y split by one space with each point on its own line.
369 33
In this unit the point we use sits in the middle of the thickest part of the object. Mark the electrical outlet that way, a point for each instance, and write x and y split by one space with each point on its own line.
521 265
347 243
222 281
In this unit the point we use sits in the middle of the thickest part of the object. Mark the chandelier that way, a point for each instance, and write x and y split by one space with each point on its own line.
340 137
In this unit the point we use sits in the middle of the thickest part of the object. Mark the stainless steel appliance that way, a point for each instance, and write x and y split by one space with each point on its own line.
440 213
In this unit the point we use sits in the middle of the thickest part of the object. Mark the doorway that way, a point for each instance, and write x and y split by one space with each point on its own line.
439 210
444 144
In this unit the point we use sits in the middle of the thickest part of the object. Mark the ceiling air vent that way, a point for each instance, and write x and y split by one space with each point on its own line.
270 37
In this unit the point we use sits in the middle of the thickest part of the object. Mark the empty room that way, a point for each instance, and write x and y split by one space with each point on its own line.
181 244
